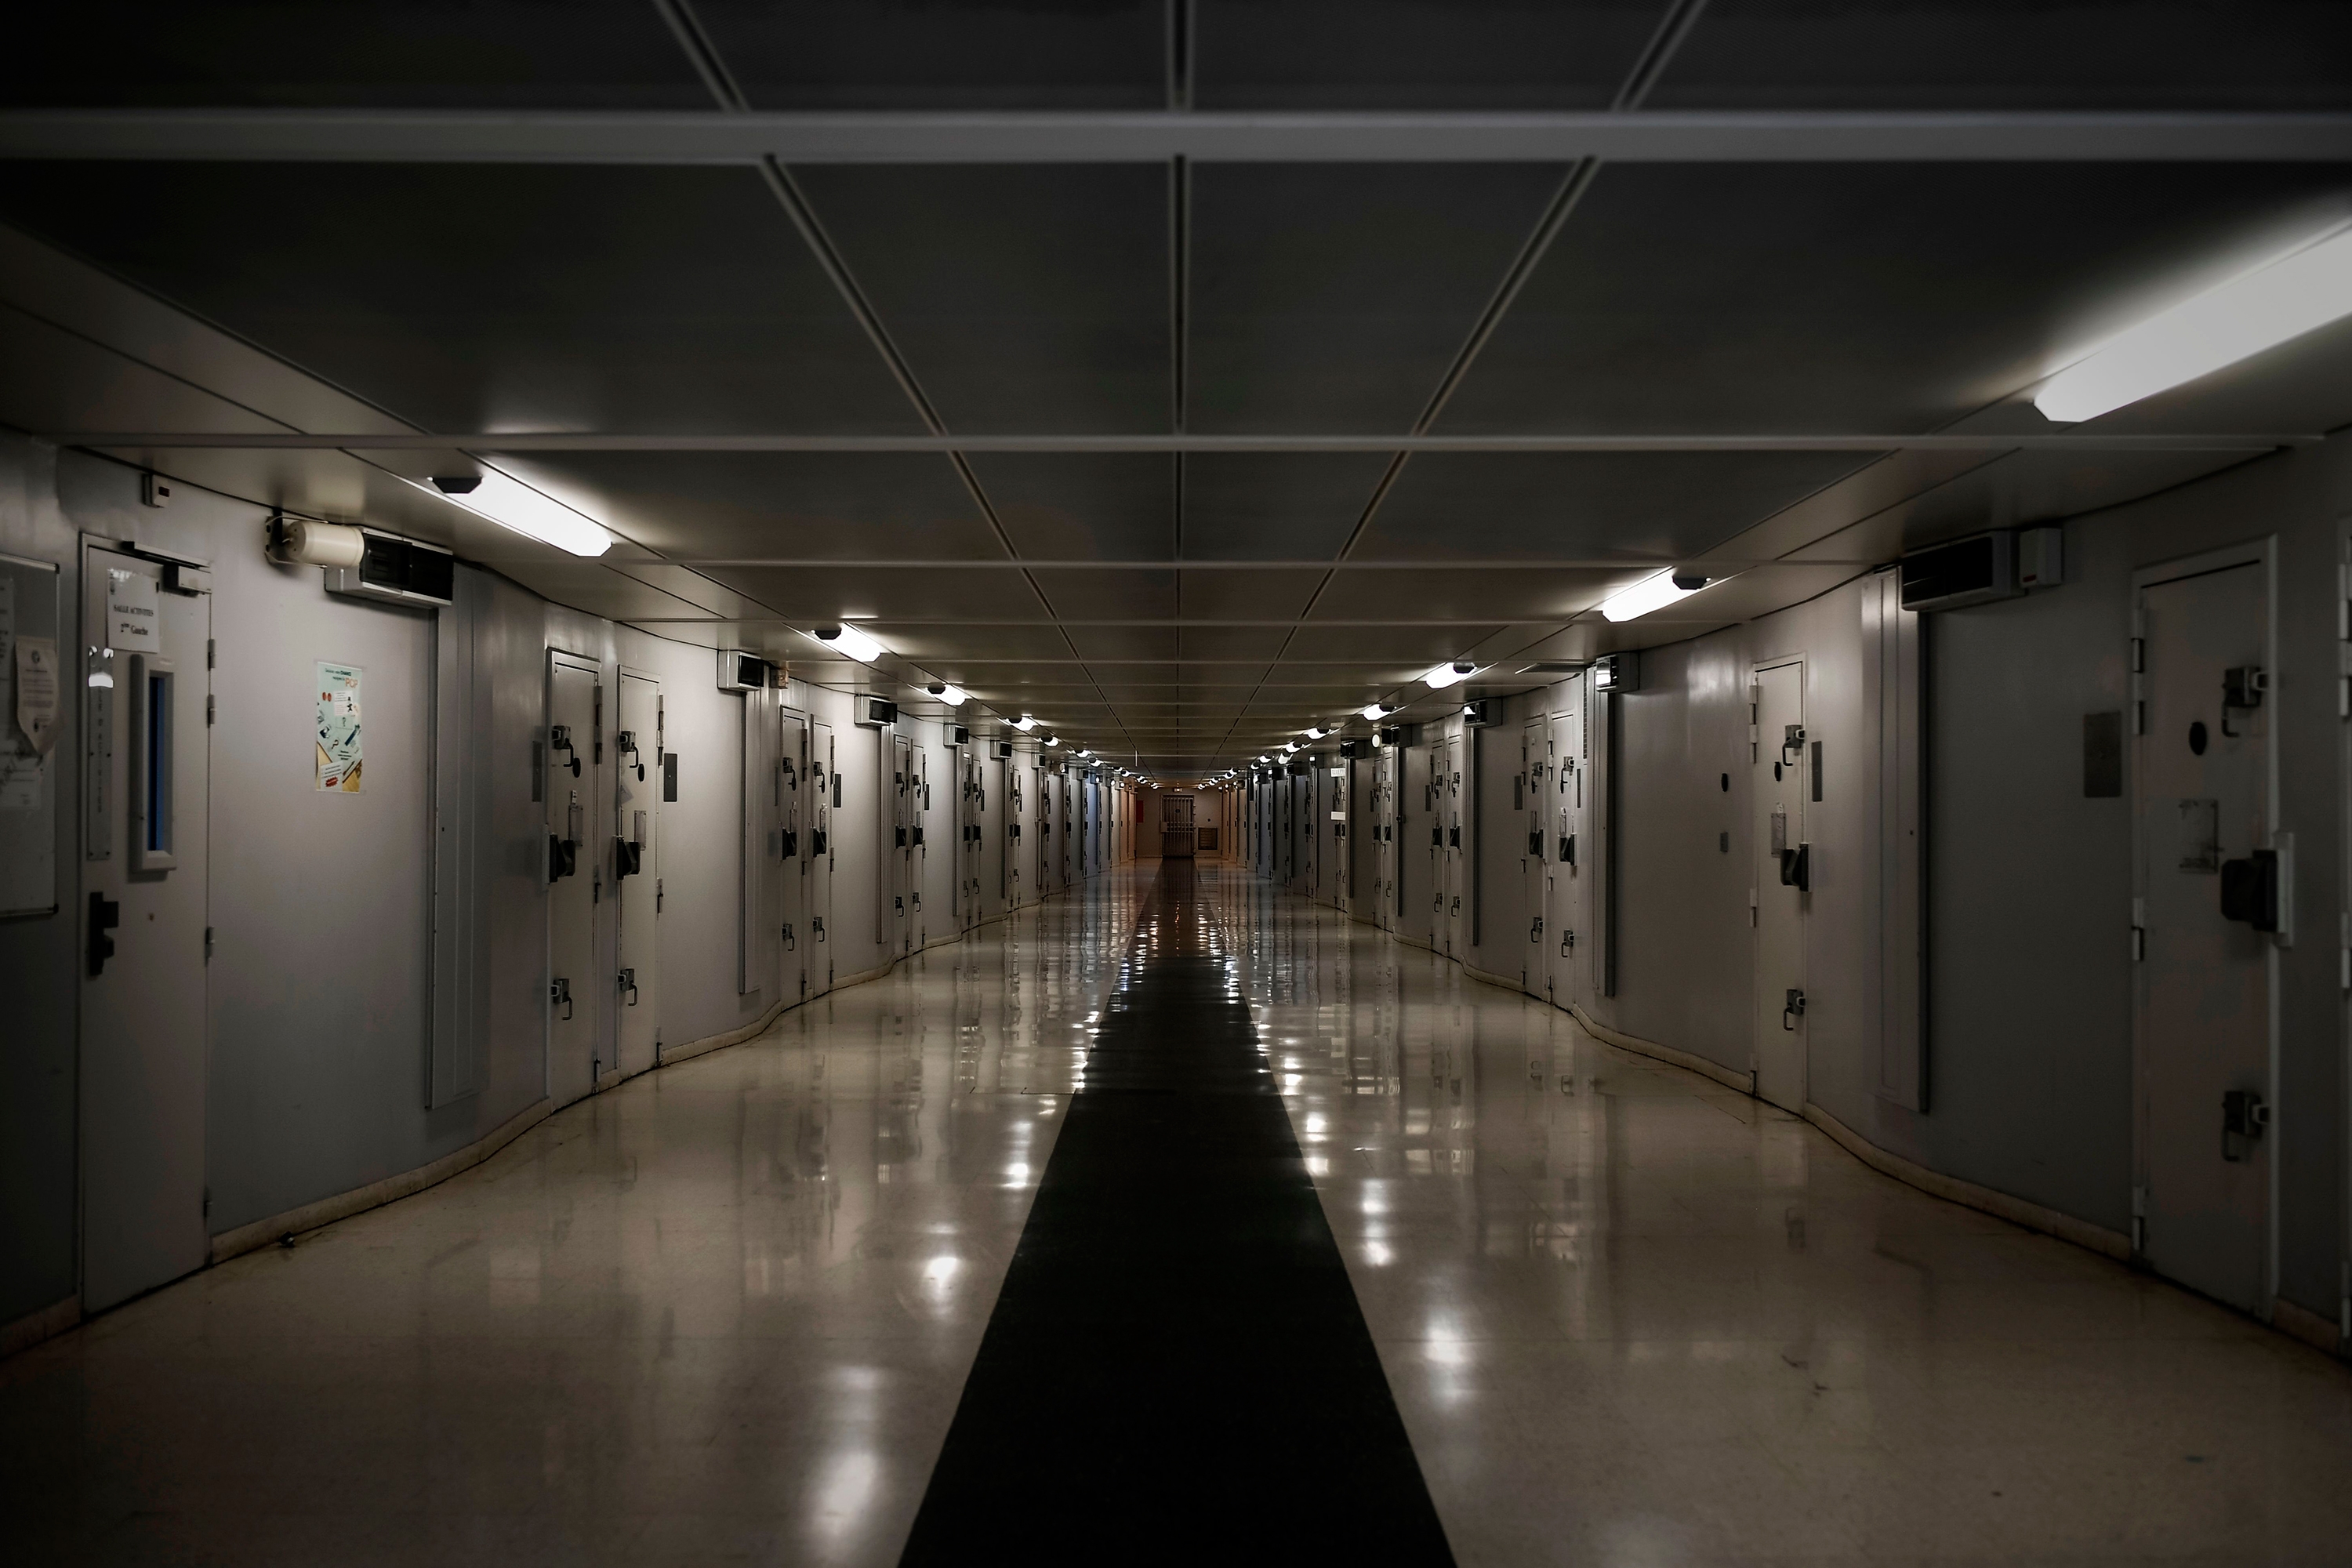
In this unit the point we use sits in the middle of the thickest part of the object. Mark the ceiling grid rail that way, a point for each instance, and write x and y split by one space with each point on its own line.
728 93
1673 26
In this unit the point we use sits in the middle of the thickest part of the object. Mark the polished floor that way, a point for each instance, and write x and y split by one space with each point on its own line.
728 1312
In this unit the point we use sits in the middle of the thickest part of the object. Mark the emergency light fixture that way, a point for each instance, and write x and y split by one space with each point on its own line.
512 504
2254 311
1650 593
953 696
848 640
1441 675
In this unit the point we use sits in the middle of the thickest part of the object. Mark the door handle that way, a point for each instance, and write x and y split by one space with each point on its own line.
105 915
791 942
628 982
2249 890
1797 868
2243 1118
1793 1009
1567 941
559 990
817 924
1535 931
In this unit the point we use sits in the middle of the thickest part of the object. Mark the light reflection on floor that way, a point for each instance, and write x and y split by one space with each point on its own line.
1630 1316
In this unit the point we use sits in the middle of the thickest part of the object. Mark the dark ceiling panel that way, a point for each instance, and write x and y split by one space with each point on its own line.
1855 298
1110 506
1099 596
1416 53
1233 642
1031 299
1287 507
1419 647
1582 505
819 594
1518 592
974 54
314 54
1332 297
1124 642
477 298
2004 54
790 505
1261 593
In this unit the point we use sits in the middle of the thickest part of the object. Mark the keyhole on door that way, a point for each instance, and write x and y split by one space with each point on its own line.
2197 737
1776 773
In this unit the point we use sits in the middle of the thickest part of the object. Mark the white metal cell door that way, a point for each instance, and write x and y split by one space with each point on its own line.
1783 879
796 788
147 799
1455 889
1567 899
576 991
2209 902
635 849
759 914
899 880
1528 803
919 851
824 799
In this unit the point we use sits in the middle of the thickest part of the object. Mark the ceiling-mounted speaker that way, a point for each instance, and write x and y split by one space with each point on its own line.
875 713
1965 571
740 672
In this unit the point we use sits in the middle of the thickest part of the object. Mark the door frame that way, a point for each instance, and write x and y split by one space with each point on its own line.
2262 552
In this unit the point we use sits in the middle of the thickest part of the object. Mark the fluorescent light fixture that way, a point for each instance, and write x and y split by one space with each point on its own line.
1024 723
2253 311
1084 753
1376 711
953 696
1650 593
1316 732
514 505
848 640
1051 740
1262 758
1453 672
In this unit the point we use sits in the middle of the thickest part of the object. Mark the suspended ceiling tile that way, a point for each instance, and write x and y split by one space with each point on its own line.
407 53
1233 642
1858 298
1100 595
1124 642
1332 297
940 643
599 591
1533 594
1024 298
1980 54
1276 506
1419 645
1084 505
1407 54
886 598
489 296
1261 593
785 505
1586 505
1107 54
694 589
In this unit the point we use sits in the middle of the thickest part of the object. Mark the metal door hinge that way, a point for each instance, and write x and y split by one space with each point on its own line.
2139 1220
208 664
657 895
208 944
210 711
2139 929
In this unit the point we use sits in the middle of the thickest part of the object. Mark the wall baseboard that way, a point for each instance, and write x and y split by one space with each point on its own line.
2017 1211
1688 1060
725 1037
33 1327
2308 1326
309 1216
1503 982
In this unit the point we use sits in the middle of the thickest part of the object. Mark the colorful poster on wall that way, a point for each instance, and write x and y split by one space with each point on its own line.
339 727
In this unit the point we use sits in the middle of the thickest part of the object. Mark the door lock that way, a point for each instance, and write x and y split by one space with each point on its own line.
1567 941
1793 1009
558 739
628 982
1535 931
2244 1119
1797 868
791 942
559 990
817 924
105 915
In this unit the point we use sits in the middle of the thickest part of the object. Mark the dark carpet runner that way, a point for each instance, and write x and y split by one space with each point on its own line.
1176 1369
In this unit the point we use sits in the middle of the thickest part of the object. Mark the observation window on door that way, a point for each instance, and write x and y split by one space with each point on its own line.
152 836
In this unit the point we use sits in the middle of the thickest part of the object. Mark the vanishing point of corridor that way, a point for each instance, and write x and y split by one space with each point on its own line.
1176 1220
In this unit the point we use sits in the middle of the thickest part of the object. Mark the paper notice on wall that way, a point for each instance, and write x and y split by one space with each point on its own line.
339 727
36 670
131 619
